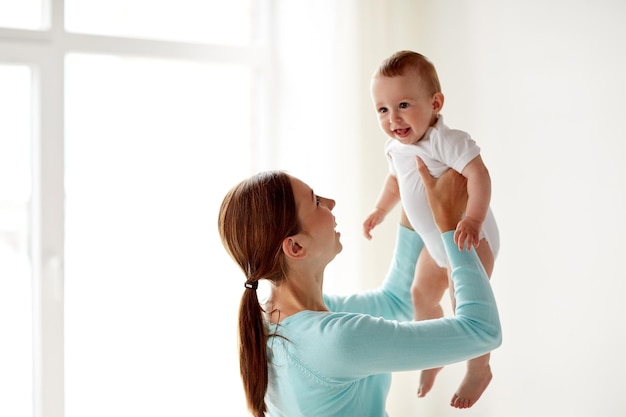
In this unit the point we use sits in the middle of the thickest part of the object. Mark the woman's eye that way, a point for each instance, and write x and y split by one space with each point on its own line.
318 200
403 105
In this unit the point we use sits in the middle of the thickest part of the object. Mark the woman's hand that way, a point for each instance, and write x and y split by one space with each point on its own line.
447 196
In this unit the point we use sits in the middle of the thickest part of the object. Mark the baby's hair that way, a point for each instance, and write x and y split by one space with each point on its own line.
402 61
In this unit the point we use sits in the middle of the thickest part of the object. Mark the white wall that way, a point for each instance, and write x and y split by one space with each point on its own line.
540 85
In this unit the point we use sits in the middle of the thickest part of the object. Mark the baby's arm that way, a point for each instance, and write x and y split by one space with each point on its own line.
467 232
387 200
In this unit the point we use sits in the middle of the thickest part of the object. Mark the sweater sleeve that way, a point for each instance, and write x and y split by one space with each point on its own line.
392 300
476 307
365 345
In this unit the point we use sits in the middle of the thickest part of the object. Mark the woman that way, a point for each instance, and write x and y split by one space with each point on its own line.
304 353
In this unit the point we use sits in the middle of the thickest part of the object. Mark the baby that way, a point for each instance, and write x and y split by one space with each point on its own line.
408 99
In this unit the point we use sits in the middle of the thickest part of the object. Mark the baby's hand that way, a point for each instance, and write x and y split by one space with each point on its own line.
374 219
467 233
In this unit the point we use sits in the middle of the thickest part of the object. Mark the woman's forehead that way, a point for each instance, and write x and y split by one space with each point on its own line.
300 187
301 191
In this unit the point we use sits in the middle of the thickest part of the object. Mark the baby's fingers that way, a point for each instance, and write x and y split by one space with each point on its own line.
367 228
472 240
459 238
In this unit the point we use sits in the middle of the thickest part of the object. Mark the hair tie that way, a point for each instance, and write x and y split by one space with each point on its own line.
252 285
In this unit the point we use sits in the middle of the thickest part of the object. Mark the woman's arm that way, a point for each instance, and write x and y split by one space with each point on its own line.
393 299
365 345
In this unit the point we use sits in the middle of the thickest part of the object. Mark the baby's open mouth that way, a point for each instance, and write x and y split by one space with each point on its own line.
402 132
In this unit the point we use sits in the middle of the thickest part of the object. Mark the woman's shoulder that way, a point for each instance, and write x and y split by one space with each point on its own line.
328 326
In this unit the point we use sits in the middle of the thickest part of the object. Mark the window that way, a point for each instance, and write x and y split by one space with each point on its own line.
140 219
120 133
123 125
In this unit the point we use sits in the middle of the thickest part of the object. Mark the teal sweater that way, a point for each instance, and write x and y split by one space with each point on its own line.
339 363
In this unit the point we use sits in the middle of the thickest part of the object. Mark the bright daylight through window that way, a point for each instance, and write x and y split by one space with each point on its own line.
16 293
122 120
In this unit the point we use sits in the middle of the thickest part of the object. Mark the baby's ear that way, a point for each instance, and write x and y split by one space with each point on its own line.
438 100
292 248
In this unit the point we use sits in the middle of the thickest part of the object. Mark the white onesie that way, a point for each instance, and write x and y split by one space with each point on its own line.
440 148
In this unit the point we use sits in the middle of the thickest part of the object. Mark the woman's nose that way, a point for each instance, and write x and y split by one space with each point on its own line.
330 203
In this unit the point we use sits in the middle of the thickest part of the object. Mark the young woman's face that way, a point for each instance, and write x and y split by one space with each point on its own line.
317 221
405 110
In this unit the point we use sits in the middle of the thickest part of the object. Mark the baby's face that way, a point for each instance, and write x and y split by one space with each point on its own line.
405 110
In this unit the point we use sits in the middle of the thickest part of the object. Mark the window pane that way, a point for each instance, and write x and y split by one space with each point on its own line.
21 14
210 21
16 316
152 147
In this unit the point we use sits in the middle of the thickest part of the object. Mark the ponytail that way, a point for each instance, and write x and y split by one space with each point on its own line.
255 217
253 351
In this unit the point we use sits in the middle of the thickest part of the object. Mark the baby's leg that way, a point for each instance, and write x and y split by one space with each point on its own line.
478 374
429 284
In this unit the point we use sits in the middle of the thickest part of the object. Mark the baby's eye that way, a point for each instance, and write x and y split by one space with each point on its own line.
403 105
382 110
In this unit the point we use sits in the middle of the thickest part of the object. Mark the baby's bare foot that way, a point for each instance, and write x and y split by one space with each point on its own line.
474 384
427 379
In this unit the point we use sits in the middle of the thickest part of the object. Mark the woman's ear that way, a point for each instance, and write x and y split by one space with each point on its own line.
292 247
438 100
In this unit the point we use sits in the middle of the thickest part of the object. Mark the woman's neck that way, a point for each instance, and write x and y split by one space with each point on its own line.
287 299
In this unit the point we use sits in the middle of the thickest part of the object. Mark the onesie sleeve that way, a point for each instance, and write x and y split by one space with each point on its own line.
392 300
454 148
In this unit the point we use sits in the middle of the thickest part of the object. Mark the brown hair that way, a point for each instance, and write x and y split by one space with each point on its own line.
254 218
402 61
